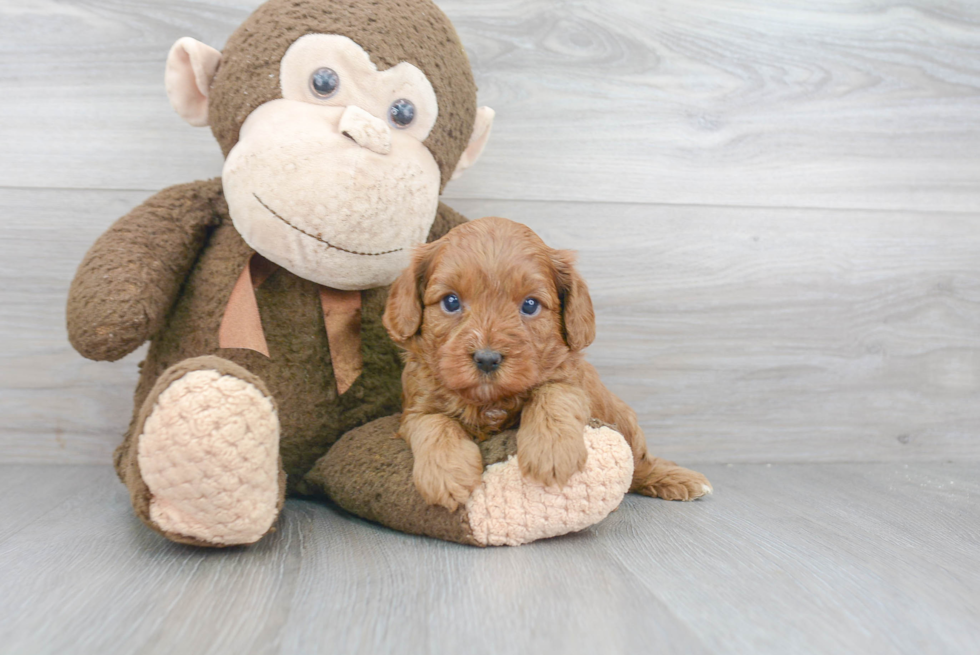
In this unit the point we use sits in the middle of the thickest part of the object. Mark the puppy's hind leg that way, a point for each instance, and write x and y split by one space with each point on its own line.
660 478
653 476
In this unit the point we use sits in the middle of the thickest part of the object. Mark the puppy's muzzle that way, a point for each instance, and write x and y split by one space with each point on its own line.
487 360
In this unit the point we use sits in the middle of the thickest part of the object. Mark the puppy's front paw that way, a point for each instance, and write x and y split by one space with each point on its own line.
448 474
551 458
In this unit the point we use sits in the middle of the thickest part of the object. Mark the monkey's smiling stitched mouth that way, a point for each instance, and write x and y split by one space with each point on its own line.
323 241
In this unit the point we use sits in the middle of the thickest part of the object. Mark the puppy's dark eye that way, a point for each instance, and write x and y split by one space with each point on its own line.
530 307
324 82
451 303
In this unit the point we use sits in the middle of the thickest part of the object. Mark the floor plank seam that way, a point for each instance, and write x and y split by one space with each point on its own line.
6 538
451 199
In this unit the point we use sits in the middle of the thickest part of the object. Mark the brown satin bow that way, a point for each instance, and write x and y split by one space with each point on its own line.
241 326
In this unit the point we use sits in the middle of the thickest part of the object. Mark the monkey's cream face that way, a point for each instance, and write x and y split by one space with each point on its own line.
332 181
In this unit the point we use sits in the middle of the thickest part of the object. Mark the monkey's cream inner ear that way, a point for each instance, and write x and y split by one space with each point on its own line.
191 66
478 141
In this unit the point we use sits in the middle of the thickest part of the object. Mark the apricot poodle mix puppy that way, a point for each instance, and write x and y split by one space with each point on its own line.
493 322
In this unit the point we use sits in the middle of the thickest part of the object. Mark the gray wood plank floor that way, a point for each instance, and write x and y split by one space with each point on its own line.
832 558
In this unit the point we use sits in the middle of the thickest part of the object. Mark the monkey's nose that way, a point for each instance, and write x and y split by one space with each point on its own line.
366 130
487 360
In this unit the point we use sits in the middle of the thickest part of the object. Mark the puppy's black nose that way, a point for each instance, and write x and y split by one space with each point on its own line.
487 360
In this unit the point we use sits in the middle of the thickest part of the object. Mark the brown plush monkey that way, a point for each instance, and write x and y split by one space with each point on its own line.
262 291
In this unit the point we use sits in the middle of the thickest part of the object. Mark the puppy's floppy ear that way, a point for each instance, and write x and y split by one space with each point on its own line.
578 317
403 312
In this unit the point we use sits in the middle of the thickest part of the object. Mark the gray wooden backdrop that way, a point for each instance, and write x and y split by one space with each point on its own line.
776 204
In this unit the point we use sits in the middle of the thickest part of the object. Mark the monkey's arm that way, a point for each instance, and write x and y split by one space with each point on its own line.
446 219
130 277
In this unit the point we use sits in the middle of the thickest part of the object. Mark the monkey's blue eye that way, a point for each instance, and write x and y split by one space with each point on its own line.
530 307
401 112
324 82
451 303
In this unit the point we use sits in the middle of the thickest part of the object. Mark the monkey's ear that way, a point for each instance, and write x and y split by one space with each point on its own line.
478 141
403 312
190 68
578 317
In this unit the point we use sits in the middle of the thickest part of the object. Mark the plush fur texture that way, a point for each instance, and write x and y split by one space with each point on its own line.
184 234
369 473
510 509
391 31
127 460
358 192
165 273
146 256
298 372
543 382
209 455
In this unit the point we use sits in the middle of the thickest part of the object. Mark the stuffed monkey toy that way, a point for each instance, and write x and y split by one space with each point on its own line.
261 292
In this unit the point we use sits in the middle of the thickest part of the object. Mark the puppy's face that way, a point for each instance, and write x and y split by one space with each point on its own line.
490 309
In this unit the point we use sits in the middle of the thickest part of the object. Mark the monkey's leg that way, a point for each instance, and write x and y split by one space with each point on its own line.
368 472
202 458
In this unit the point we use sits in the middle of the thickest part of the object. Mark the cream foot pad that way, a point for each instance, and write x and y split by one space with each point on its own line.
507 510
209 454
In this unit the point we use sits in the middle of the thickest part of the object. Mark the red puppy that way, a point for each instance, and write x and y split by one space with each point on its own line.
493 322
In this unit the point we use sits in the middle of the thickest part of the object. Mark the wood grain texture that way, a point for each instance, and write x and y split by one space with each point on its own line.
819 558
852 336
860 104
786 559
28 492
55 405
781 335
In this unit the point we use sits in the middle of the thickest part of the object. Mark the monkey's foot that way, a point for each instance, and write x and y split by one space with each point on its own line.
209 456
507 509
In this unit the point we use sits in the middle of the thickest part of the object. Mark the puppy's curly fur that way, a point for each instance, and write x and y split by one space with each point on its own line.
541 383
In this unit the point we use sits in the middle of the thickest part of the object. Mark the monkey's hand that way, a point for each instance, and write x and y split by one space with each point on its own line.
128 281
448 465
551 437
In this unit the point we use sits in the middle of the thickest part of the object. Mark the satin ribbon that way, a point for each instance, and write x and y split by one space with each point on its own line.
241 325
